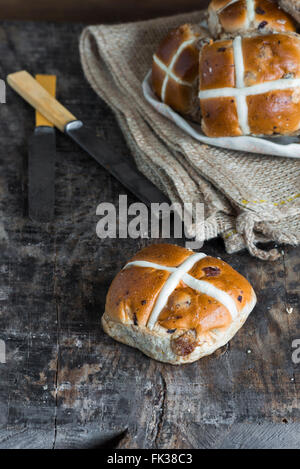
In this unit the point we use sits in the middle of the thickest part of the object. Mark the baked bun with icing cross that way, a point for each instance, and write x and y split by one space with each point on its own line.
175 69
175 305
292 7
240 16
250 85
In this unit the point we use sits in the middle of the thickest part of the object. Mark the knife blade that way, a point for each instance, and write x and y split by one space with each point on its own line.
41 162
120 167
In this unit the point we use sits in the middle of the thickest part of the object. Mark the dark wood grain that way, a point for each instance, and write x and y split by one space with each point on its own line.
67 384
95 11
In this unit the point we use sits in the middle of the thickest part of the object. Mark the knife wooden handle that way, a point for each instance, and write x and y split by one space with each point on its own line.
27 87
49 83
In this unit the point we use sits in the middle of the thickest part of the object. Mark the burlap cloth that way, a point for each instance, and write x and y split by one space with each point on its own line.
247 197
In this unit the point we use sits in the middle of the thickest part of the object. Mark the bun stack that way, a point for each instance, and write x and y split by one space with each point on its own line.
239 77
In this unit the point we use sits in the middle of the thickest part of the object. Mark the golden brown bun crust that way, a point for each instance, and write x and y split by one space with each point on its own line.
228 17
266 58
188 316
271 57
180 94
220 118
286 118
234 17
217 65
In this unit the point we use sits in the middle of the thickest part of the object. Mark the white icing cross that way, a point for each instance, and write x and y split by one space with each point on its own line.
242 107
250 11
240 92
169 70
181 273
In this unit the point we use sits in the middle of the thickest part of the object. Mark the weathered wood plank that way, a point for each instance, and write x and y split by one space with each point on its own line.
94 11
67 384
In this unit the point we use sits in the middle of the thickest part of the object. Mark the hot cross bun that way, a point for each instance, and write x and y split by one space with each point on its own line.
250 85
175 305
240 16
175 69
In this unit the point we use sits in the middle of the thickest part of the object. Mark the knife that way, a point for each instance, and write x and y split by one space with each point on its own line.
121 168
41 162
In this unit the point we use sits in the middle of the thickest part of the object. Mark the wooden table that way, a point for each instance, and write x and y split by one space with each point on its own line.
65 383
95 11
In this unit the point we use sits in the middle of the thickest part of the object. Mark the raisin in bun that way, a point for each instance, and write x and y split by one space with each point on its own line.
175 69
251 85
292 7
175 305
240 16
